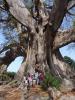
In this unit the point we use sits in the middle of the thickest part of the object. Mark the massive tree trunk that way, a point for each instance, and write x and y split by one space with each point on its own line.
45 52
36 53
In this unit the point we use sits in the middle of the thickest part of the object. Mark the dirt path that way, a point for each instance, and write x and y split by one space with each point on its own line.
9 93
67 96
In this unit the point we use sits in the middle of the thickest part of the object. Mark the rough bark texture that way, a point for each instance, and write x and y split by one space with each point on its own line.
21 13
64 38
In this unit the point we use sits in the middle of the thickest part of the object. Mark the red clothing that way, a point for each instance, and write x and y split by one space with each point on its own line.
41 77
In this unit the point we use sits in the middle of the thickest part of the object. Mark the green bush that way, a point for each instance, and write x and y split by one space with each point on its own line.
6 76
50 80
11 74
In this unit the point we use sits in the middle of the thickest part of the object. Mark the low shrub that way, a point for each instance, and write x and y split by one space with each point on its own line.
6 76
50 80
11 74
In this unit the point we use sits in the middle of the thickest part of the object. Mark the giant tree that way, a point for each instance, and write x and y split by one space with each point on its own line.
40 23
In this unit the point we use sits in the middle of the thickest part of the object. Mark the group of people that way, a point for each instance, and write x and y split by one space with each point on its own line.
30 80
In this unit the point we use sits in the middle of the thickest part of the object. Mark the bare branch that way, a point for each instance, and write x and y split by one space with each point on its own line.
64 38
6 47
4 20
1 7
18 9
71 4
70 13
11 52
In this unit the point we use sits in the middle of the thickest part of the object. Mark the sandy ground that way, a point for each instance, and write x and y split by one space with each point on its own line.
15 93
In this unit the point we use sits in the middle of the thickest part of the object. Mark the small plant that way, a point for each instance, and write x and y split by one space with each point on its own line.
50 80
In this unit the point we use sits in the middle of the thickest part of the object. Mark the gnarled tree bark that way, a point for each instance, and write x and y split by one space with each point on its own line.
64 38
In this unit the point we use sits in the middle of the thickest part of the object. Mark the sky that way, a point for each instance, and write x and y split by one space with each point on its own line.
2 39
15 65
68 51
65 51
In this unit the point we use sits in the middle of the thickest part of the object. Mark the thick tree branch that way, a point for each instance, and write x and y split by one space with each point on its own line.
64 38
18 9
11 52
58 12
6 47
40 13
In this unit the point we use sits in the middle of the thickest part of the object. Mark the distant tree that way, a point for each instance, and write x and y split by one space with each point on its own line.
70 61
73 24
